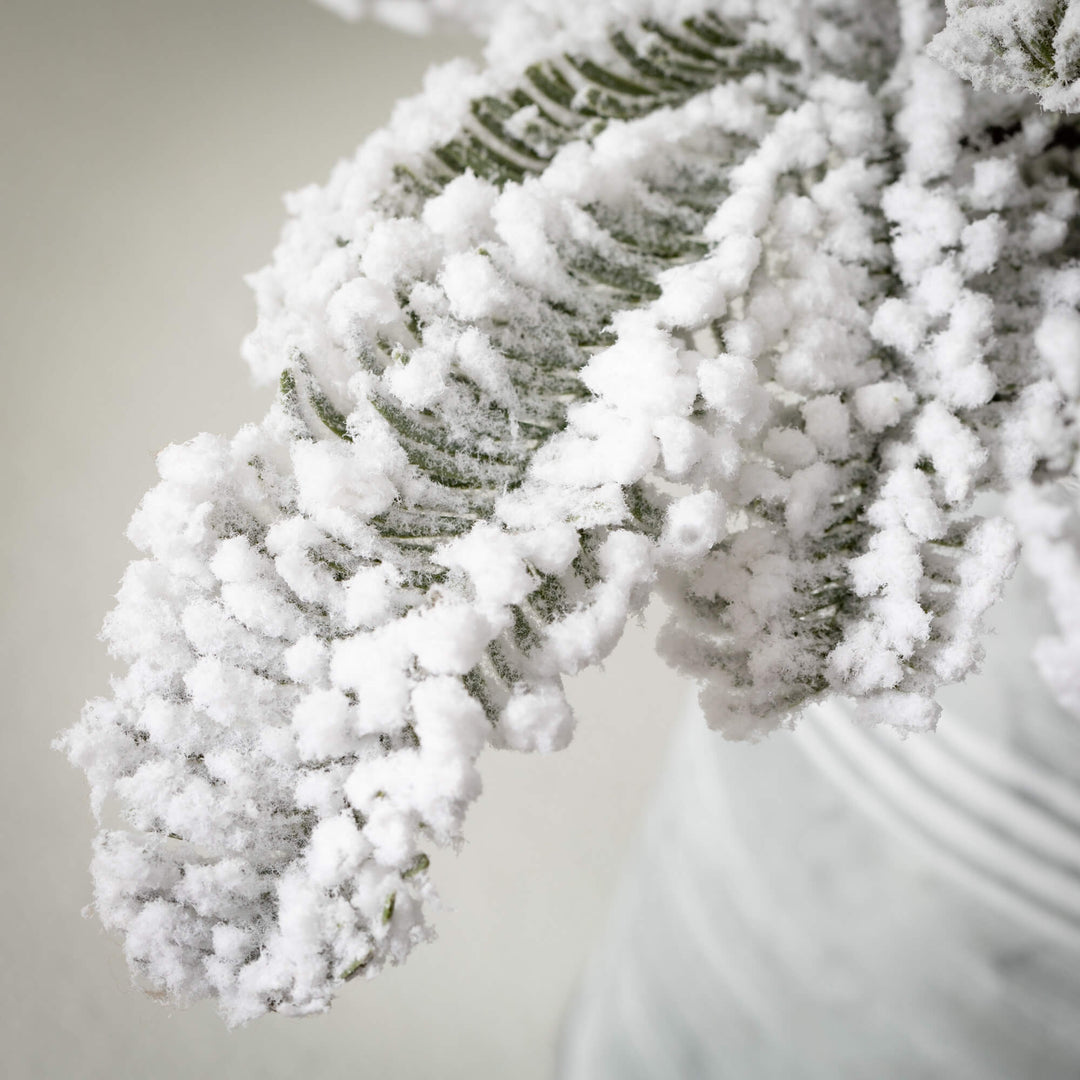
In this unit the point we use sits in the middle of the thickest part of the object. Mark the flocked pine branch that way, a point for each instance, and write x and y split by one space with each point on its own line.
1010 45
748 303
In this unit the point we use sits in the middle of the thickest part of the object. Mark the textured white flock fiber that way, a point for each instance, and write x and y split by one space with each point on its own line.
758 345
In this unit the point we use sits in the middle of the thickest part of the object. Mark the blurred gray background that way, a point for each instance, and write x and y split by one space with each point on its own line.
145 148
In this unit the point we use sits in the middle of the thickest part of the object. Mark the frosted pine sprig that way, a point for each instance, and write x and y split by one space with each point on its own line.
751 302
1010 45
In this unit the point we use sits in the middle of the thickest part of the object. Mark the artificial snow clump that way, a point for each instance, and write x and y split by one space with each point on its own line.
415 16
741 302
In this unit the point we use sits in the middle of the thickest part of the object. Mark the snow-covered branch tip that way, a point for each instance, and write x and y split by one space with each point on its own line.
1015 45
747 302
